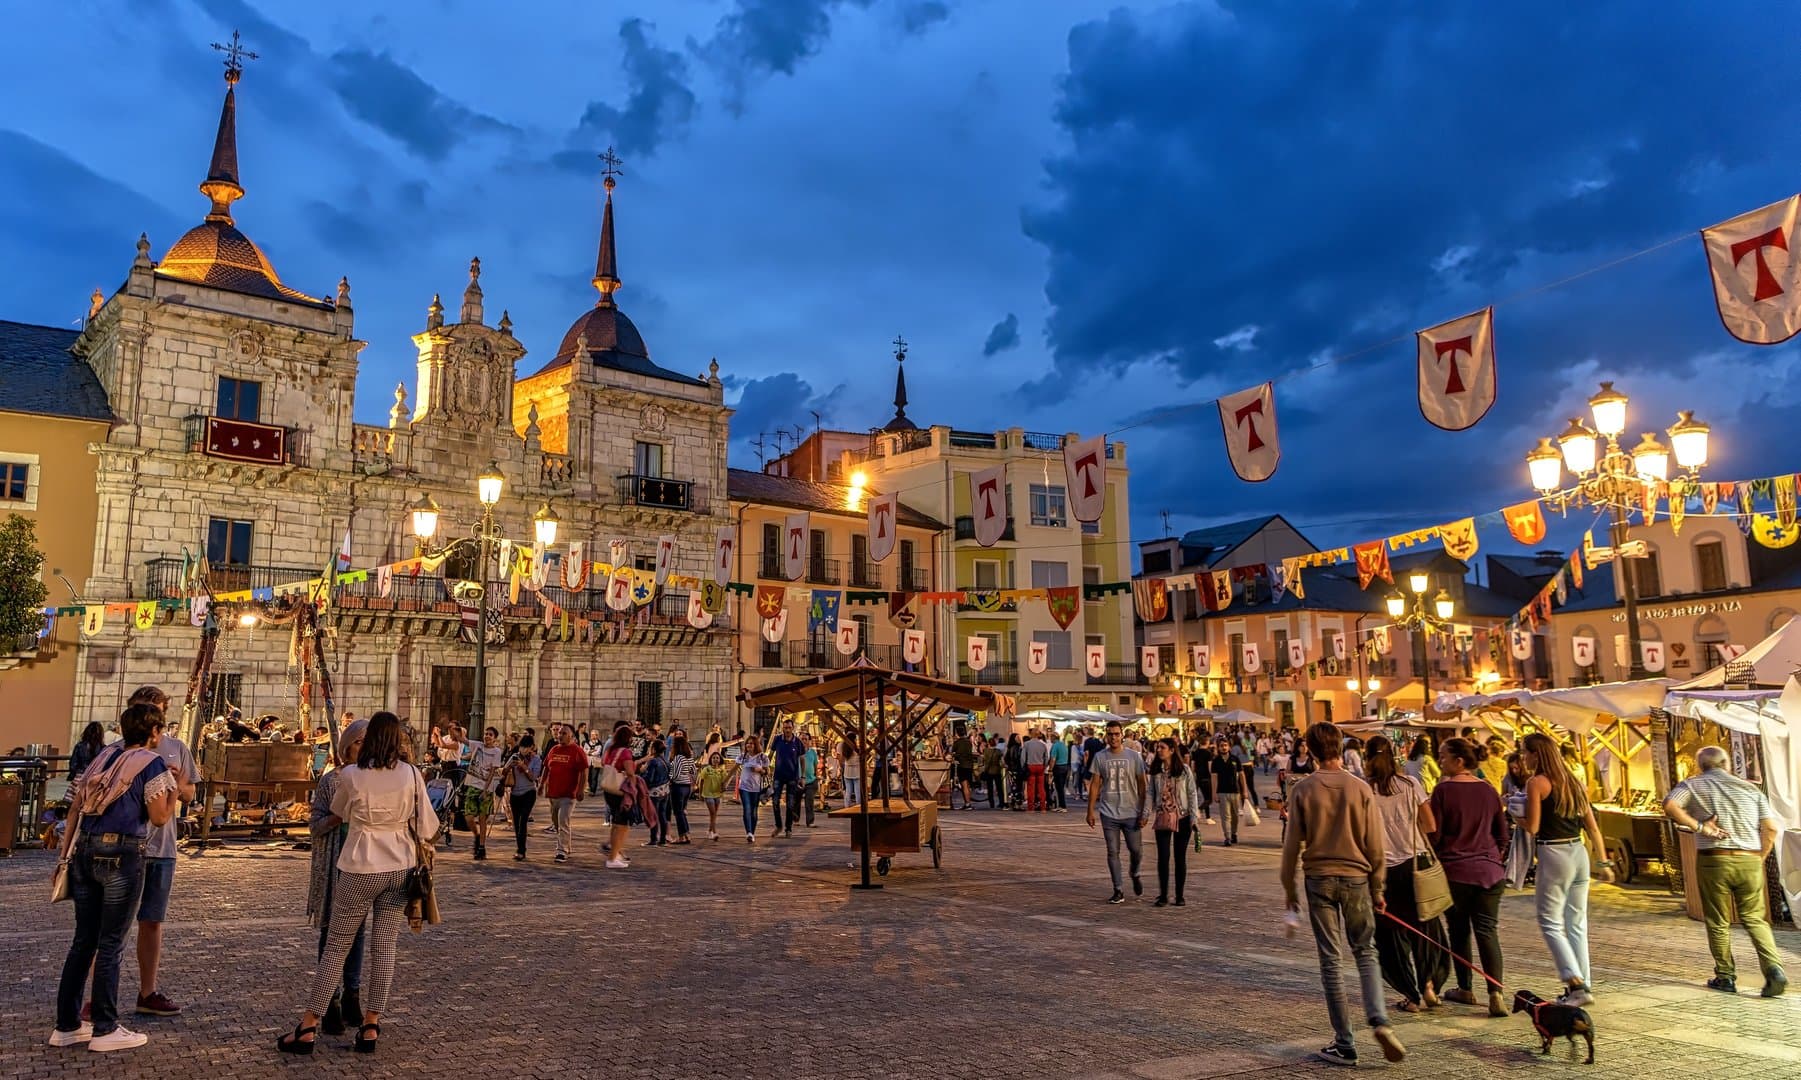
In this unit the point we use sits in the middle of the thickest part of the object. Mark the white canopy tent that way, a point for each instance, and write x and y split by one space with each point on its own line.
1240 716
1771 662
1575 708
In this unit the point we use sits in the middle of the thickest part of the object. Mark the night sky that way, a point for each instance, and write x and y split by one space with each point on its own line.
1076 213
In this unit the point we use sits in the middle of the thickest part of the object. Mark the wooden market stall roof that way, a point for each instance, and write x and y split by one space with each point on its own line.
848 685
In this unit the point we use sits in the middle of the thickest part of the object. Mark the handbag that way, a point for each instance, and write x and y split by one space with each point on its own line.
59 878
1431 889
421 888
612 779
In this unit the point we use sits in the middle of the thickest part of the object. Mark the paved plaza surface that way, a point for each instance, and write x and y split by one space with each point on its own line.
723 959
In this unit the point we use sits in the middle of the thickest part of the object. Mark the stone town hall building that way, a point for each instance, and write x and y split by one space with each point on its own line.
234 438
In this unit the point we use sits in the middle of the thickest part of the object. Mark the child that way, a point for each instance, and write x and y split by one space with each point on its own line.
714 776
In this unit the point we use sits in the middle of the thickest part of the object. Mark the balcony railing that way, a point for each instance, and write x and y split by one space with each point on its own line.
1118 675
914 579
865 574
965 528
997 606
823 571
162 577
221 438
769 566
997 673
824 656
556 470
661 493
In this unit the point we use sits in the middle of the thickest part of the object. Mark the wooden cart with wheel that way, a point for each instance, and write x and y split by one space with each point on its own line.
883 714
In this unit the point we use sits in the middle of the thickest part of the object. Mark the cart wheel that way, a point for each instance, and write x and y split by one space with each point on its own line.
937 843
1624 869
881 866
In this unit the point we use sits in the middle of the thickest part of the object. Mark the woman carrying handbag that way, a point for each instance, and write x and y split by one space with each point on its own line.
1414 887
1175 809
382 800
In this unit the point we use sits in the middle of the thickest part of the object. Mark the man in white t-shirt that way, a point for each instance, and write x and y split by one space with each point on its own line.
480 783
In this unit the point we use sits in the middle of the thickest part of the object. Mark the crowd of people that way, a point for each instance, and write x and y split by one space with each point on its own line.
1400 865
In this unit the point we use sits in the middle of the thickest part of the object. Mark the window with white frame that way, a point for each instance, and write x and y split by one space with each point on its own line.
1049 575
1056 653
19 481
987 574
1049 505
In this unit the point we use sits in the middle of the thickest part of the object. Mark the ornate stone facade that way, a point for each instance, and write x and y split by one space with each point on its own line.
237 442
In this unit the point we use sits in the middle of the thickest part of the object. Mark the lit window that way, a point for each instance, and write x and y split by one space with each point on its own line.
1049 505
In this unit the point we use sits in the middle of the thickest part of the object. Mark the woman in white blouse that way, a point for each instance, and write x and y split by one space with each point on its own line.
382 800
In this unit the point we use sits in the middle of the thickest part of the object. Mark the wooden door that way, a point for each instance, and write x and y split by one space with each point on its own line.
452 695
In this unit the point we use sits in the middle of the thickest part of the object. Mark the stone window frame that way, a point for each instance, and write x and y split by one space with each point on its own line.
33 479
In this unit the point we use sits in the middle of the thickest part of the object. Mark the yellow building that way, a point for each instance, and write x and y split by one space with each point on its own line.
1705 587
51 408
837 561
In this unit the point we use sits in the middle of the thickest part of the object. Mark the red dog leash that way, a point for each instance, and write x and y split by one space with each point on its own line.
1415 931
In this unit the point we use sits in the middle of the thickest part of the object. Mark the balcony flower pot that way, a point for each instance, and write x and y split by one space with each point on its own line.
448 607
352 603
379 603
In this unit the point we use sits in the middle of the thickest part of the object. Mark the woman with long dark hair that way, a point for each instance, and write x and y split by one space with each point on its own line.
1175 808
1420 764
328 832
93 740
619 756
682 770
753 767
126 788
1562 824
1415 966
1471 840
382 800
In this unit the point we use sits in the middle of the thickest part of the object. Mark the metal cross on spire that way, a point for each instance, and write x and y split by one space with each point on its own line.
235 55
900 347
610 163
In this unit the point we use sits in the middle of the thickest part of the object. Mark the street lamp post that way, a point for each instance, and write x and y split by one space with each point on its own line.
485 537
1606 475
1363 690
1414 618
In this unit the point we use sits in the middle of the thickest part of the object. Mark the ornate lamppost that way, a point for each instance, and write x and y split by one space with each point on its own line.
1413 617
1363 690
1608 476
485 538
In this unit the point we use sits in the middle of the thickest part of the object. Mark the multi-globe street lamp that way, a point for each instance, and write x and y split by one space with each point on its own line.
1414 618
1607 475
485 537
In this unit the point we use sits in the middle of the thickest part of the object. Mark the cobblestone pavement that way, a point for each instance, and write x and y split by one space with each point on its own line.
727 960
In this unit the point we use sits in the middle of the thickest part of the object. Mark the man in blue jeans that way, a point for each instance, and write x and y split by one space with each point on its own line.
787 750
1335 833
1116 801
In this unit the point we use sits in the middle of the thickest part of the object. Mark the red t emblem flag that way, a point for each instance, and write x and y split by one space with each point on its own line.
913 646
1094 660
794 546
988 504
1526 521
1038 657
1248 421
1756 274
882 510
977 657
725 541
1457 371
775 629
1085 463
849 637
1582 650
698 615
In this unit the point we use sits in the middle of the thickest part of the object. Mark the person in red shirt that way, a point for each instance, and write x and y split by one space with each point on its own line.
565 776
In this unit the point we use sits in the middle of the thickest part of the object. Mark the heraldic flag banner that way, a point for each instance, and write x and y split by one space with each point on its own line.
1248 420
1756 273
1457 371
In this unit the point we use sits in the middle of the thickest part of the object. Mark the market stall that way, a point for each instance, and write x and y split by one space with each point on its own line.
884 715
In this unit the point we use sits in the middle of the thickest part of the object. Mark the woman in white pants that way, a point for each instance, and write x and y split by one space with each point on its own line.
1562 825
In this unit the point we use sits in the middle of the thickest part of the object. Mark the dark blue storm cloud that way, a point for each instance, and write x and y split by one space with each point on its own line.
1004 336
658 103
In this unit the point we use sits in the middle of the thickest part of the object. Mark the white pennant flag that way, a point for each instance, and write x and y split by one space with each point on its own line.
1457 370
884 517
1756 274
1094 660
618 554
988 504
977 652
540 566
1248 421
574 567
775 629
665 557
1297 653
1338 646
1149 663
1583 650
1384 644
1202 658
913 646
197 609
849 636
1038 657
1620 650
698 615
619 589
1085 465
1253 659
794 546
725 544
1520 643
1729 653
384 581
1652 652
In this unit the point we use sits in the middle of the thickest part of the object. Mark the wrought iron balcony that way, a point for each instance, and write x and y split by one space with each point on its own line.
865 574
823 571
660 493
994 606
824 655
769 566
244 440
914 579
965 528
997 673
1118 675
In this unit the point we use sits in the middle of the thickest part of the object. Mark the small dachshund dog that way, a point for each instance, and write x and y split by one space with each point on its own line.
1550 1020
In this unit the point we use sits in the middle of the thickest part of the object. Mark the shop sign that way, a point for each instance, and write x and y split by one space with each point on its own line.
1685 611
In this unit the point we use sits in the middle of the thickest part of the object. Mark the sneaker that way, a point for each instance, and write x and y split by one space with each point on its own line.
1336 1055
1390 1043
750 837
69 1038
119 1038
560 858
1774 983
1576 996
711 835
617 864
157 1005
1117 897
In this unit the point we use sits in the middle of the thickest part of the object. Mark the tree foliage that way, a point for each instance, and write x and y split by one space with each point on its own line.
22 591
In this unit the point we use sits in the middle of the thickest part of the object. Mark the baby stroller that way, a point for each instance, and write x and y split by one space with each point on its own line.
444 797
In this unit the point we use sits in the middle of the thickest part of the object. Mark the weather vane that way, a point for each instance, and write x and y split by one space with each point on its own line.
610 163
900 347
235 55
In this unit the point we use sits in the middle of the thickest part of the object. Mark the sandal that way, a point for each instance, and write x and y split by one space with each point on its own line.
297 1043
366 1046
1406 1006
